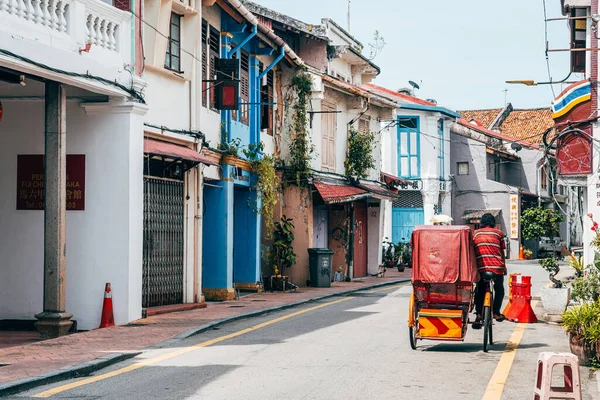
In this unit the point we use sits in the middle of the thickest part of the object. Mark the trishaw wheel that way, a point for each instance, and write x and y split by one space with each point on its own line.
487 328
412 334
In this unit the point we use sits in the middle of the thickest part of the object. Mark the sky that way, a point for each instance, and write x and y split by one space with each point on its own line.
459 52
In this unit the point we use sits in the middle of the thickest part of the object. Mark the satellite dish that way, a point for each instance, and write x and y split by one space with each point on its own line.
414 85
516 146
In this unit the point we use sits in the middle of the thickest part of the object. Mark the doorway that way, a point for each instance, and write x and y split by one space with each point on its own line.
360 240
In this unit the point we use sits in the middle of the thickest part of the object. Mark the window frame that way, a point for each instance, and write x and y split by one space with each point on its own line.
409 155
169 55
458 164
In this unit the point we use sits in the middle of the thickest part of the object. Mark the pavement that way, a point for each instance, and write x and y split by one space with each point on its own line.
353 346
29 365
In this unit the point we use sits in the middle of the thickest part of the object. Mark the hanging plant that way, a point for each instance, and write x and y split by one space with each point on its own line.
301 149
359 158
267 184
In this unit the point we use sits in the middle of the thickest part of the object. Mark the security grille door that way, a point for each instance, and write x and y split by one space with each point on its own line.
163 243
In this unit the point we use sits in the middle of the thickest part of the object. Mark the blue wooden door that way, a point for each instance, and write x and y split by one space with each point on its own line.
404 221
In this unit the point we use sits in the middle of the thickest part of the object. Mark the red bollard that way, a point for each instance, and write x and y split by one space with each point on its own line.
520 310
511 282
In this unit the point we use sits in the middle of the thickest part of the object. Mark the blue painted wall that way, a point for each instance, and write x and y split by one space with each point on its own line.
246 237
217 254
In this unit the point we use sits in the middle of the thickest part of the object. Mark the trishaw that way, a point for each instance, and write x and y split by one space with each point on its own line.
444 273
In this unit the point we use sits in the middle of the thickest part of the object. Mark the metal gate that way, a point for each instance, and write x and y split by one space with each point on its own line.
163 242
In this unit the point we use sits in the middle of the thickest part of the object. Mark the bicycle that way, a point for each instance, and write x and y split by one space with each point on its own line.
488 301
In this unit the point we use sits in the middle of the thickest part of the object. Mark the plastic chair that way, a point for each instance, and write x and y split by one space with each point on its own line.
572 383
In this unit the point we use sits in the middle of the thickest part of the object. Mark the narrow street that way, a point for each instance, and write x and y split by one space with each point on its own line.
353 347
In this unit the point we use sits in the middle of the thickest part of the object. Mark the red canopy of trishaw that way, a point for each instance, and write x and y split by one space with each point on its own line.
443 254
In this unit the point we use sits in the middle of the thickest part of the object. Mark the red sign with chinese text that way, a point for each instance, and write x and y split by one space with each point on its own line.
30 182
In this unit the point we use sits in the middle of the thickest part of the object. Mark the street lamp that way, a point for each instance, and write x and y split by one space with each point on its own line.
527 82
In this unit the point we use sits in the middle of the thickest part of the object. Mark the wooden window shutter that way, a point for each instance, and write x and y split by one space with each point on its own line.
214 43
328 132
245 87
204 61
266 96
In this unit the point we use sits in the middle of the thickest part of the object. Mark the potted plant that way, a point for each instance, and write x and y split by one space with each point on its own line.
282 255
555 298
527 254
405 258
582 324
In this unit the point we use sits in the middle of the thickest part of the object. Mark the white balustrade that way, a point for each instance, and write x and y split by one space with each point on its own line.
101 31
91 20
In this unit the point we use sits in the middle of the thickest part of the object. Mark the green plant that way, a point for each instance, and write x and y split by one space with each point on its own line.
390 253
540 222
301 149
527 253
282 255
587 288
550 264
267 183
584 322
576 263
359 158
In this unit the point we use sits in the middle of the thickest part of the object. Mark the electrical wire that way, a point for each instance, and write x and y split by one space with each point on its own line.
135 94
546 48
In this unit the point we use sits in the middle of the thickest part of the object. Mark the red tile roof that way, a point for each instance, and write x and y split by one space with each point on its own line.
379 190
338 193
486 117
495 134
403 98
528 124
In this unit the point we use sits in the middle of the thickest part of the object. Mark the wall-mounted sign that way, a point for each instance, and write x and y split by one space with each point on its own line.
30 182
411 185
514 216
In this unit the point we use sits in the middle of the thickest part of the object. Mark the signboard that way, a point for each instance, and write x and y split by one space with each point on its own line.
411 185
30 182
514 216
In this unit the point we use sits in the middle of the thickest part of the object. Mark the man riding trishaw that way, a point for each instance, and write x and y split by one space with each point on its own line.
448 261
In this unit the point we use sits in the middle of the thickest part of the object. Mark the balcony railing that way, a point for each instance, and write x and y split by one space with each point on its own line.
72 24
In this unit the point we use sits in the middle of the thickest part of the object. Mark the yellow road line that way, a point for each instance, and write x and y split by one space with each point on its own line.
496 384
87 381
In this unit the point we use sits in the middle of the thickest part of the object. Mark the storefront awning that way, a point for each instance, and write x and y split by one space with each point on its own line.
477 214
176 152
379 192
333 194
392 180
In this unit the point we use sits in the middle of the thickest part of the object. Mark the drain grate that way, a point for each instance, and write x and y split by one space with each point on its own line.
257 300
236 306
4 365
135 325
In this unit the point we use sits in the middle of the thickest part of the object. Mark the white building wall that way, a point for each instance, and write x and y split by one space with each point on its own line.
104 242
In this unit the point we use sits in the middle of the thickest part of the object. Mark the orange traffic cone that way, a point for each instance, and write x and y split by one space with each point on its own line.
108 318
521 253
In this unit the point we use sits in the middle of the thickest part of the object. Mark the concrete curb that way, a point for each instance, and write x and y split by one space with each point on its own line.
75 371
88 367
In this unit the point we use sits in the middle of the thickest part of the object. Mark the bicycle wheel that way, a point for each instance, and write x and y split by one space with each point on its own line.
487 328
412 334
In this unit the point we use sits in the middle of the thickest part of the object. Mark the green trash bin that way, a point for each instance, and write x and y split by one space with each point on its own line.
319 263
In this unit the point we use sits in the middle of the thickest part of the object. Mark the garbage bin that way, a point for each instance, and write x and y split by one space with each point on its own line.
319 263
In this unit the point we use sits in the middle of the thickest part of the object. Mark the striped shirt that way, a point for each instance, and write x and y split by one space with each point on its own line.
489 247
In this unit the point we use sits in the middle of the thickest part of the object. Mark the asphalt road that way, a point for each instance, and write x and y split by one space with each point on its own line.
353 347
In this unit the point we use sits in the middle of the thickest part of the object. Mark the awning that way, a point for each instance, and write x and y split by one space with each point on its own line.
502 153
379 192
176 152
477 214
333 194
392 180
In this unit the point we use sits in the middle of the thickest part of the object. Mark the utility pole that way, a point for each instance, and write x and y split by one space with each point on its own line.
349 1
